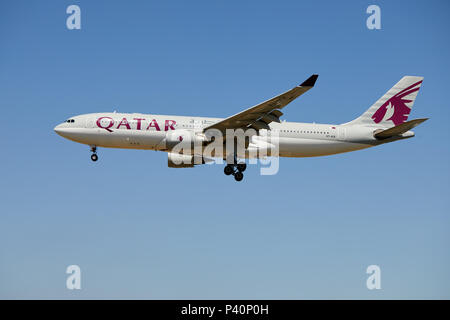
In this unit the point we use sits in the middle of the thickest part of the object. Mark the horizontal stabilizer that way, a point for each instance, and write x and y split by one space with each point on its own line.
397 130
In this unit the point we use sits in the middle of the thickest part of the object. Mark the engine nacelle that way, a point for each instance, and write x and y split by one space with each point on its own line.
177 160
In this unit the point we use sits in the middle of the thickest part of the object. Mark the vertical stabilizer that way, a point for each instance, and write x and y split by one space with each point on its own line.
393 108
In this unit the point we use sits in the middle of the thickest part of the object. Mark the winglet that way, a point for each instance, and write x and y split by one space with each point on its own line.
310 81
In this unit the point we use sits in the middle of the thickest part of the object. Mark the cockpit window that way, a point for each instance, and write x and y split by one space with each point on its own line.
70 121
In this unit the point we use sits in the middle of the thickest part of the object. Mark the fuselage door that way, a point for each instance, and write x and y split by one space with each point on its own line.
341 133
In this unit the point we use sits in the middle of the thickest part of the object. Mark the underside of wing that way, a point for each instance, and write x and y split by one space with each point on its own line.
259 116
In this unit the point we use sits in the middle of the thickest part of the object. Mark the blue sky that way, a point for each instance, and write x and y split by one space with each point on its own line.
140 230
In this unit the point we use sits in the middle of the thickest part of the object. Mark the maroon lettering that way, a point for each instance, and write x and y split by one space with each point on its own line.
153 124
138 125
125 123
111 123
169 124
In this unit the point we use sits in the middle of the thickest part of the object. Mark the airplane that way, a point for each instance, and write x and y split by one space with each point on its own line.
385 121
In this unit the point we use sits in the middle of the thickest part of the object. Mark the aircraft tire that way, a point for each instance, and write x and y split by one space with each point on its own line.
228 170
241 167
238 176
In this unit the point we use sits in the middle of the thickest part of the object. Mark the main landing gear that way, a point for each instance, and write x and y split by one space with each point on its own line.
236 170
94 156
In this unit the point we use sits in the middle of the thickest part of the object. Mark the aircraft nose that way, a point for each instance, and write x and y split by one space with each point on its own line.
62 130
58 129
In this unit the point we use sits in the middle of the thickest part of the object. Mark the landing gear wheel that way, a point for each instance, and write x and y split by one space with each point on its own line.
228 170
238 176
94 157
241 167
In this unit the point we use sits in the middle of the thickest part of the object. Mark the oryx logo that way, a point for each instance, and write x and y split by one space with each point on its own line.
396 108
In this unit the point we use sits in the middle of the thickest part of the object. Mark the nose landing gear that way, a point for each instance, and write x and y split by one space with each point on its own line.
236 170
94 156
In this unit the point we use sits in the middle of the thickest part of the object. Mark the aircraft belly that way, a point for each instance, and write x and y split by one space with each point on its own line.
297 147
133 139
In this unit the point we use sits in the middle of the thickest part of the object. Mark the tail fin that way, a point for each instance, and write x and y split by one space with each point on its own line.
394 107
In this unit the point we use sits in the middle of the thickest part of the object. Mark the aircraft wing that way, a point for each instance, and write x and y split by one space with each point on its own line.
259 116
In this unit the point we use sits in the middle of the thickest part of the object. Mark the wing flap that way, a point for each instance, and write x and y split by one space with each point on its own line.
258 125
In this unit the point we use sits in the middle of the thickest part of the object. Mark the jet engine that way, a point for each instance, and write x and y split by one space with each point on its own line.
177 160
185 139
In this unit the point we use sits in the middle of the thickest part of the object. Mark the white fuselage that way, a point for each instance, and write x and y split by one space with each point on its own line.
146 131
